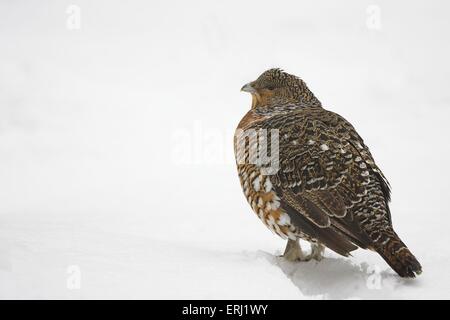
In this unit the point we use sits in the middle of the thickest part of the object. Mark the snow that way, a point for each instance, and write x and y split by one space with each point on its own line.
117 177
36 257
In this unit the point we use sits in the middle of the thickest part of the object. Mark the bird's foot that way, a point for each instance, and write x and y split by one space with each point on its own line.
293 252
317 251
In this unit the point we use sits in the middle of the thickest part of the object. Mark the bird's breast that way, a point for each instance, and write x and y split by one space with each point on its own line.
265 202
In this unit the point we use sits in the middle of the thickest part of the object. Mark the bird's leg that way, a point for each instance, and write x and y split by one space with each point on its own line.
317 250
293 251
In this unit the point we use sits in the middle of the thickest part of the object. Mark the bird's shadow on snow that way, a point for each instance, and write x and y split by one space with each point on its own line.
340 278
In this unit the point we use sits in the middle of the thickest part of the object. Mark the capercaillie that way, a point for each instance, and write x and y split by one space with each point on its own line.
325 187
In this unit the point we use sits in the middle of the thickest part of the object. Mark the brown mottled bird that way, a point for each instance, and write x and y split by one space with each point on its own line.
321 183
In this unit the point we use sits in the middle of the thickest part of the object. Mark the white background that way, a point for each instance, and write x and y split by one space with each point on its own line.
116 143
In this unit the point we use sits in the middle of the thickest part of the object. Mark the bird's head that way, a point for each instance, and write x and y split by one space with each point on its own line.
276 86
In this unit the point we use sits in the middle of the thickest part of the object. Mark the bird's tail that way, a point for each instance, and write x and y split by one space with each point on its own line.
398 256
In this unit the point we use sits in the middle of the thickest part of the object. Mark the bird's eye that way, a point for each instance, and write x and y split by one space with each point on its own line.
270 87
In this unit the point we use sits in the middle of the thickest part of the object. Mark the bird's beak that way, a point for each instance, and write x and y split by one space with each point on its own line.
248 88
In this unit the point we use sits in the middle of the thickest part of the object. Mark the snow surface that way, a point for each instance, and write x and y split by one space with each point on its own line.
116 144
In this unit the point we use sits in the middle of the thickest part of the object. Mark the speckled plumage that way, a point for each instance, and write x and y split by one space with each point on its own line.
328 189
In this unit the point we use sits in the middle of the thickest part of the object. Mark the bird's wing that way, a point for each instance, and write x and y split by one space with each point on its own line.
325 169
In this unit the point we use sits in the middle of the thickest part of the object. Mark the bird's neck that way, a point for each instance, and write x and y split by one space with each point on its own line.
296 93
282 104
303 95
